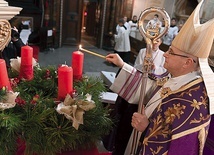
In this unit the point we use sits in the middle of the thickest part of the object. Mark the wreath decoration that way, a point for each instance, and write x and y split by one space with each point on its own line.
37 122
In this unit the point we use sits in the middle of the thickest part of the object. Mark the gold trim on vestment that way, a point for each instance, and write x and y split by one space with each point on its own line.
181 134
202 139
165 94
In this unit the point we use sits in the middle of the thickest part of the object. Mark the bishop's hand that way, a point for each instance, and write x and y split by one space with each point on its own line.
140 121
115 59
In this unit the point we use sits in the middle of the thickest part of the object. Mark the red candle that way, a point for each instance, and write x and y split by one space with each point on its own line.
26 69
65 81
35 52
77 64
4 80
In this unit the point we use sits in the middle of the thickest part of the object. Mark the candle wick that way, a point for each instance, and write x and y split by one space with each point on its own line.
65 62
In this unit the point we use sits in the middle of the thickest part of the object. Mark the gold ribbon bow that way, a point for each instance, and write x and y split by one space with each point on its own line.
74 109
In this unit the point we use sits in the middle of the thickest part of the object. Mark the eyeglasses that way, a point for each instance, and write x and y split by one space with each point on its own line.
171 53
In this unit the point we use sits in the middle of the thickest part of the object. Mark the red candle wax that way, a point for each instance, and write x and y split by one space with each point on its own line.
26 55
35 52
26 68
77 64
65 81
4 80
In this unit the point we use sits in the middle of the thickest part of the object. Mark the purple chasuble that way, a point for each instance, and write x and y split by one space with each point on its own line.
209 145
179 122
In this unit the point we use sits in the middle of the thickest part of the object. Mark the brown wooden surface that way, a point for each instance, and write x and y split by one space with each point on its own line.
90 22
72 21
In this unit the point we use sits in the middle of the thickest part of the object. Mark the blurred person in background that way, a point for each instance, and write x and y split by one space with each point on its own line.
172 32
133 26
13 49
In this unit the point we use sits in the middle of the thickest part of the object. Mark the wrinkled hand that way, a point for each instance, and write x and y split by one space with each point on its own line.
115 59
139 121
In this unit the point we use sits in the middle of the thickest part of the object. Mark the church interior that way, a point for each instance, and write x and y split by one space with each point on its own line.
41 110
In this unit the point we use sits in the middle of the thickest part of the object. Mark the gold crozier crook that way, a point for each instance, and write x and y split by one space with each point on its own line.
150 35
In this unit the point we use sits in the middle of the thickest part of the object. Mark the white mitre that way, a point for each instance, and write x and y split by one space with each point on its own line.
197 39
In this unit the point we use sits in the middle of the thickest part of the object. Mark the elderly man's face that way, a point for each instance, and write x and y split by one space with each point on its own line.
174 60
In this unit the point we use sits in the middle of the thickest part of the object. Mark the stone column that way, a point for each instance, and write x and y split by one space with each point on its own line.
208 11
207 14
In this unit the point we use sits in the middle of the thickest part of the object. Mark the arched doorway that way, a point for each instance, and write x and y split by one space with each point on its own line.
90 22
183 8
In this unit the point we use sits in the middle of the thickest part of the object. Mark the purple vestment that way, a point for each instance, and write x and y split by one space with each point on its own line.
178 126
209 145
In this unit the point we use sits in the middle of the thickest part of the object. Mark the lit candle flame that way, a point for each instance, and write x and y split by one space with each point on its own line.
80 47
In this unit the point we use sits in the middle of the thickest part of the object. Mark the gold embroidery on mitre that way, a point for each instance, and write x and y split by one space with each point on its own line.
5 33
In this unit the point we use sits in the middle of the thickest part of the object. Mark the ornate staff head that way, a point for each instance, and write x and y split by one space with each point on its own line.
5 33
6 13
152 31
